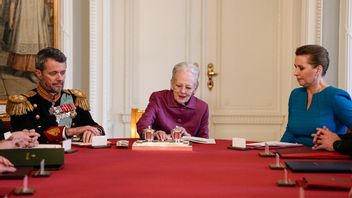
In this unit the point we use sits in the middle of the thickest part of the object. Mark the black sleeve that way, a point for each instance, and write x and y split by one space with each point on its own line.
84 118
2 130
22 122
347 136
344 145
19 123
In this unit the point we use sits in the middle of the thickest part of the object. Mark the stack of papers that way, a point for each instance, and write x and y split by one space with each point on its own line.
48 146
198 140
86 144
276 144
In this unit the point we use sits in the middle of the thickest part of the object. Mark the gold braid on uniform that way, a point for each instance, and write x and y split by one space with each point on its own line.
81 98
19 105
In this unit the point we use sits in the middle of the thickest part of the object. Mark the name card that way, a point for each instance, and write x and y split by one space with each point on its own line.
239 142
99 141
66 144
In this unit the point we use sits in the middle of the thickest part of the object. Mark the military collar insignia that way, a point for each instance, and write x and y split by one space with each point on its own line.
47 96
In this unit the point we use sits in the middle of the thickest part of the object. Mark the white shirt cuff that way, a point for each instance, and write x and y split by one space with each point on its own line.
7 135
64 134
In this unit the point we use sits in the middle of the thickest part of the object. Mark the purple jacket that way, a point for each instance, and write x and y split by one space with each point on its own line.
164 113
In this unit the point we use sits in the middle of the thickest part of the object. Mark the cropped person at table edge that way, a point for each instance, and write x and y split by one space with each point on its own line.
6 165
177 106
17 139
53 112
315 104
20 139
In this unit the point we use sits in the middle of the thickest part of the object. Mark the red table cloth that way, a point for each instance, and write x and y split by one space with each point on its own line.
207 171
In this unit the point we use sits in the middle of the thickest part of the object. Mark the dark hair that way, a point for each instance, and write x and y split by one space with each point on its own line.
46 53
318 55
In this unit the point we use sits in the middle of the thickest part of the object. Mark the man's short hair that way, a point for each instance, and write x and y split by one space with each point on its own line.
44 54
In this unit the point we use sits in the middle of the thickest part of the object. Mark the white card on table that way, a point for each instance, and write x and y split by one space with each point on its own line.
66 144
99 141
239 142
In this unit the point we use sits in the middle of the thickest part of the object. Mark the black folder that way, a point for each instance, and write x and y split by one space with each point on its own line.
320 166
54 157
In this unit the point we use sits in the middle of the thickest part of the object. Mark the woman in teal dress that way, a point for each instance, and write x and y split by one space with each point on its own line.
315 104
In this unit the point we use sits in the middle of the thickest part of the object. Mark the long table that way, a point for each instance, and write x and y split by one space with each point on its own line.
207 171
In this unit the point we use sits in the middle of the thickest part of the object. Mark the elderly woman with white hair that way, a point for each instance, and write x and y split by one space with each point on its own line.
177 106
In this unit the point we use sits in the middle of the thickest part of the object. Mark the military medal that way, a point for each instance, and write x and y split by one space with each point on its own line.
63 111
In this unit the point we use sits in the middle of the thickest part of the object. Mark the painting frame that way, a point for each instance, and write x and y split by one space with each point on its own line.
54 21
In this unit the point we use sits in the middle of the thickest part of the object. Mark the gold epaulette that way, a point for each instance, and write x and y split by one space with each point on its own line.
18 105
81 98
30 94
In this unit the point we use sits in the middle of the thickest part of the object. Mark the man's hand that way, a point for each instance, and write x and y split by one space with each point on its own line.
85 132
25 138
87 136
324 139
6 165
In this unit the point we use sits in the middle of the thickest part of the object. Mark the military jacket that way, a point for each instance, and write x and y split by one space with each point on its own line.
32 111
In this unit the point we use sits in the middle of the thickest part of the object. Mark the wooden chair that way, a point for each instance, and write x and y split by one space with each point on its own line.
135 115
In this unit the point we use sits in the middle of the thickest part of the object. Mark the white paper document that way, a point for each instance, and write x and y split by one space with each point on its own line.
48 146
87 144
273 143
198 140
81 143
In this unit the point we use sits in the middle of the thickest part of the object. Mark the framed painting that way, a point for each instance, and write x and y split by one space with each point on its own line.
26 26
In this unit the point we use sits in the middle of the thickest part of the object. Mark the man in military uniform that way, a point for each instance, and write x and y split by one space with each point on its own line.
55 113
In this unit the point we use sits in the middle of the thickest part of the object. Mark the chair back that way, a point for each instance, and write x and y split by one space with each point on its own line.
135 115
